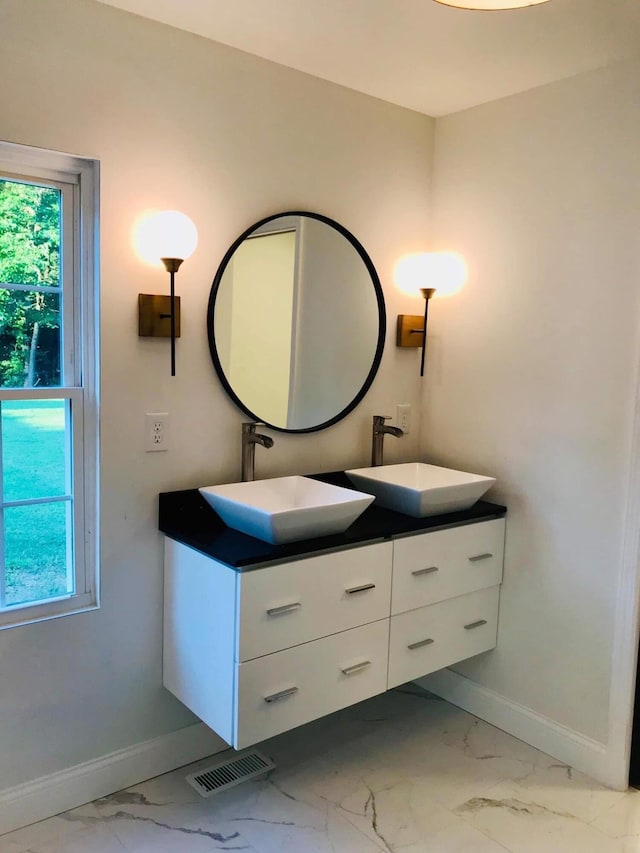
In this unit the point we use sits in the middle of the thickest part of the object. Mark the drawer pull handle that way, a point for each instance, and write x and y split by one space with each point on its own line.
473 625
420 643
363 588
479 557
428 571
286 608
357 667
283 694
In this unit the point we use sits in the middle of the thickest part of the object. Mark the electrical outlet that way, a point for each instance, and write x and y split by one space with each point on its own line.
156 434
403 417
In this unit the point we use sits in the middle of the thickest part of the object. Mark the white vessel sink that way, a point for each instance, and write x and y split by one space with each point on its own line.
286 509
418 489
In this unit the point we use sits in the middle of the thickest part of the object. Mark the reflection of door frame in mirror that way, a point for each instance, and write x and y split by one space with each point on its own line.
262 225
295 226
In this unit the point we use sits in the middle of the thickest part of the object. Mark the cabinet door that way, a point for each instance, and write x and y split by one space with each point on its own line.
291 603
283 690
422 641
431 567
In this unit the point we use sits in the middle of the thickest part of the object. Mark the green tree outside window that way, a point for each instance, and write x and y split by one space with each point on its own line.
30 238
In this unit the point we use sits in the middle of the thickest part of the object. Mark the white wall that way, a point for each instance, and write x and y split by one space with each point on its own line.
533 371
180 122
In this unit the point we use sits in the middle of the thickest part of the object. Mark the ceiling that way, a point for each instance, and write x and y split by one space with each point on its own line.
415 53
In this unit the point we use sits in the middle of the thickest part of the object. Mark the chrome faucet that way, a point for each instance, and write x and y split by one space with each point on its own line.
249 440
378 434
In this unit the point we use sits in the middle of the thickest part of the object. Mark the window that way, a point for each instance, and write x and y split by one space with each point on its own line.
48 384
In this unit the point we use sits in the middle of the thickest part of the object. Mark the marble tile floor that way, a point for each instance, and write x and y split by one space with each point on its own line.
402 772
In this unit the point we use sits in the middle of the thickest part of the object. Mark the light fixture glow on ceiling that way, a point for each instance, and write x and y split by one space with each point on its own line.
490 5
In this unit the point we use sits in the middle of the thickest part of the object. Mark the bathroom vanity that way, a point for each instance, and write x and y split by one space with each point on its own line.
258 637
261 638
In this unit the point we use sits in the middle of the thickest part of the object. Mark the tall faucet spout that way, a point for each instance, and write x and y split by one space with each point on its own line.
249 440
263 440
391 430
377 438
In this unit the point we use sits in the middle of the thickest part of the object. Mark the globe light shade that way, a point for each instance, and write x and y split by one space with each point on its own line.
444 271
490 5
166 234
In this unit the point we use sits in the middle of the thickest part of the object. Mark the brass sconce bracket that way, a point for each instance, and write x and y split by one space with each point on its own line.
409 330
154 316
412 330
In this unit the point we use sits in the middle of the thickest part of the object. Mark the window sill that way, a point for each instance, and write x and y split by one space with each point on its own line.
29 613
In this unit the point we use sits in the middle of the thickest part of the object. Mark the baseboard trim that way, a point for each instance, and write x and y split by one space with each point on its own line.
58 792
572 748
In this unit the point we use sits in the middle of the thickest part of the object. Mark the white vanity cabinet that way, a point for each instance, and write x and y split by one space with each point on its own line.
444 599
255 653
258 652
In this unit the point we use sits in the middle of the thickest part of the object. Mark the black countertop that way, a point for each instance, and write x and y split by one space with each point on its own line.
186 517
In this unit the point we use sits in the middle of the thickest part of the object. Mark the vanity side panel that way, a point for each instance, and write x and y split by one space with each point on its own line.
199 635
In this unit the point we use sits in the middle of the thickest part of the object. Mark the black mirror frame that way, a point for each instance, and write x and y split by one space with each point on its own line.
382 319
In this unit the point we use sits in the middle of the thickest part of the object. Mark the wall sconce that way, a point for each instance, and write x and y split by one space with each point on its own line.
443 271
167 238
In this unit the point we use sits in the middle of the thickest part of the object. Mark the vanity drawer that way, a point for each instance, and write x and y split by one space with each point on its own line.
434 566
288 688
292 603
437 636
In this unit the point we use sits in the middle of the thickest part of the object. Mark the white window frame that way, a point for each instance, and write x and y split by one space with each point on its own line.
78 178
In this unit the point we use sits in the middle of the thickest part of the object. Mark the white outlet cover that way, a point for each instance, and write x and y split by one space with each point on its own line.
403 417
156 432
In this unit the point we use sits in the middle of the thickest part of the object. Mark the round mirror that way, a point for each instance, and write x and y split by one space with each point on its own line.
296 322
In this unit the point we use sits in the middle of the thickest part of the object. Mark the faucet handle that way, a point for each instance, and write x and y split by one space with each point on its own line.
250 426
380 419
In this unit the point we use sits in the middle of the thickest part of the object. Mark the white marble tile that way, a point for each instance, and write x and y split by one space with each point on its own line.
449 755
622 822
256 814
273 819
457 838
179 821
395 809
53 830
512 816
382 777
9 846
557 787
140 836
99 840
402 772
74 832
404 816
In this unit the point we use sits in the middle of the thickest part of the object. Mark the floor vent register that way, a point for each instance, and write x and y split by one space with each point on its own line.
236 768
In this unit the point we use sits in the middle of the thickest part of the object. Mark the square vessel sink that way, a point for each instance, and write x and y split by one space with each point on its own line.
418 489
286 509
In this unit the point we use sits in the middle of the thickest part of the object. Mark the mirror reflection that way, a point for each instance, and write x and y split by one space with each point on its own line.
296 322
